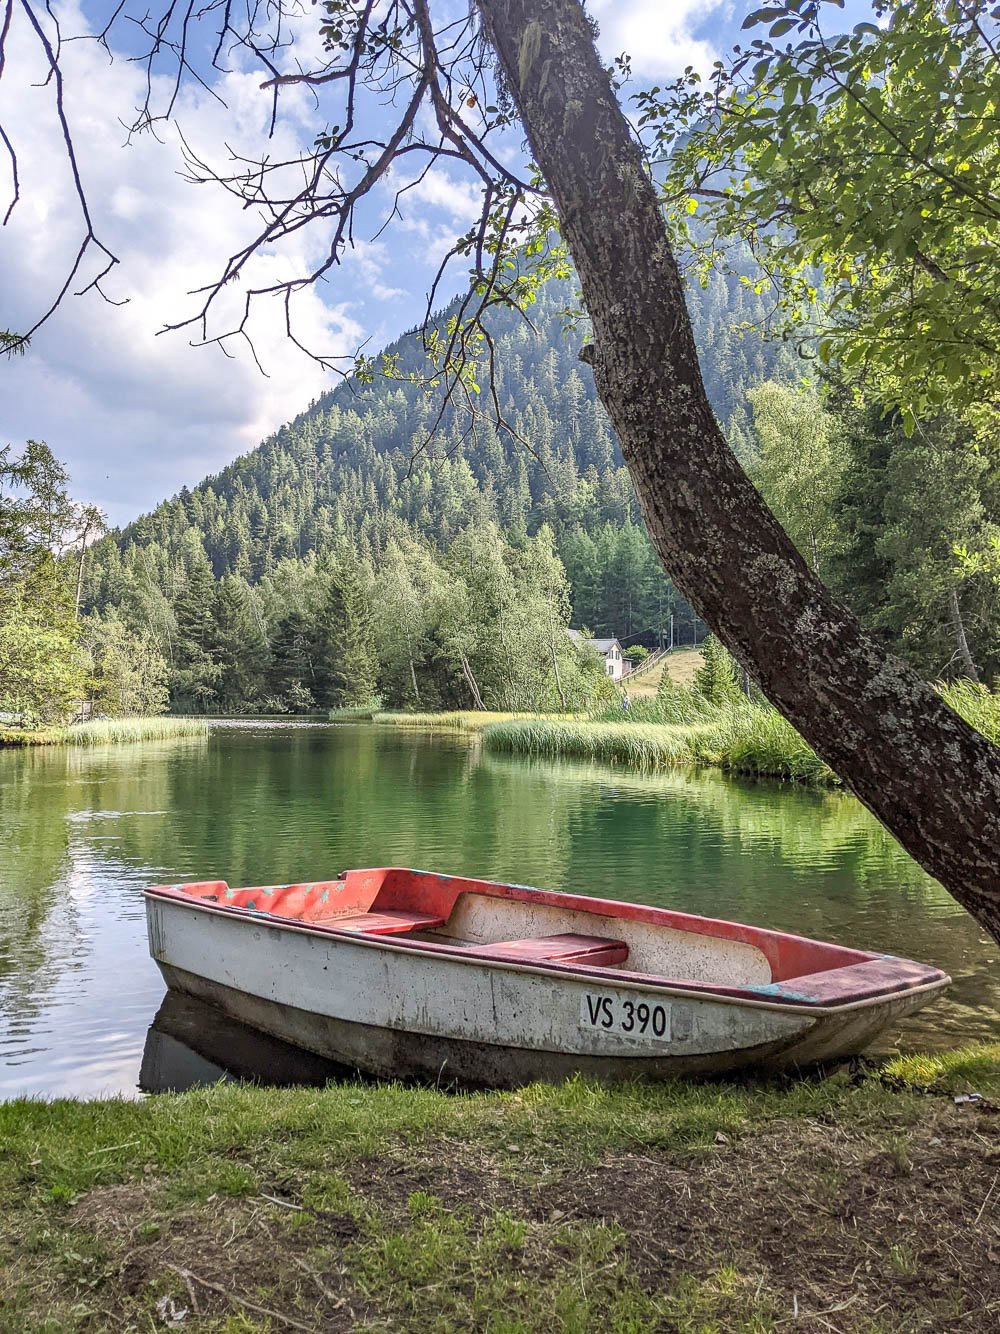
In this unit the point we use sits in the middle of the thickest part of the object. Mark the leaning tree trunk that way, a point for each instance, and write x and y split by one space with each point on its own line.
958 626
928 776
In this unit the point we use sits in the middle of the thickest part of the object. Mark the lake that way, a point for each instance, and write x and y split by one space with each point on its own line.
85 830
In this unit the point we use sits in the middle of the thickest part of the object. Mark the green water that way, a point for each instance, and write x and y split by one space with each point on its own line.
84 830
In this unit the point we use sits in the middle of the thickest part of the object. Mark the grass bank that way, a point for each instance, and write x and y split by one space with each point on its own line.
354 713
112 731
864 1205
460 720
745 739
648 745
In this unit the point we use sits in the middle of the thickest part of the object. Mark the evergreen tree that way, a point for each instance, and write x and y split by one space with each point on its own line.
345 636
717 677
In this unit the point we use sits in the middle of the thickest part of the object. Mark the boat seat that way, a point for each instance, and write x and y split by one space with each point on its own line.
389 923
594 950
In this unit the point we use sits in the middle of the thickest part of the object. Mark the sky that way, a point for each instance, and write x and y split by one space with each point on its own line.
136 413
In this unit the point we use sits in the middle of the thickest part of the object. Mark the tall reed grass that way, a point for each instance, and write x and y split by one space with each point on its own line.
744 738
116 731
462 720
977 706
643 745
754 739
354 713
680 726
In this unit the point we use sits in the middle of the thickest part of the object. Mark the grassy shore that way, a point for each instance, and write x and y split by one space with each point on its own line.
648 745
865 1205
112 731
459 720
745 739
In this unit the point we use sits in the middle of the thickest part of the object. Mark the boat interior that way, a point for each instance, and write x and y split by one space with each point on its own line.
521 925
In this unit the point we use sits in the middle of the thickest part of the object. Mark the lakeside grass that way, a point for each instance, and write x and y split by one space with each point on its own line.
106 732
692 1207
354 713
745 737
644 745
742 739
460 720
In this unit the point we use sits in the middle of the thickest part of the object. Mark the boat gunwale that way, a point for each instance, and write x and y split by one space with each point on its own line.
798 1004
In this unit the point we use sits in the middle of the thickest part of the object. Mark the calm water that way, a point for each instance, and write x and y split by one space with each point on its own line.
83 831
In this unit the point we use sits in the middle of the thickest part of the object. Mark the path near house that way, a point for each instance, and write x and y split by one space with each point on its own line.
681 664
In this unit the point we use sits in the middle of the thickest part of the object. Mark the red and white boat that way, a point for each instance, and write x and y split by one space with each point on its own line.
411 974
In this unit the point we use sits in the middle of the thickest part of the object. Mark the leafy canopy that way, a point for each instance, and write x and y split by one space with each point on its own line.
863 170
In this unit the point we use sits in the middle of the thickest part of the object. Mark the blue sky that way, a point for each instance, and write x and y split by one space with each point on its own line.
136 415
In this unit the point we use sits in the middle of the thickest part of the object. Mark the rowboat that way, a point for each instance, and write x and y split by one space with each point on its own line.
410 974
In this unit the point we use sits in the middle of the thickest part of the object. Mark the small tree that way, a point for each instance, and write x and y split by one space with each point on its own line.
801 459
129 677
43 672
717 677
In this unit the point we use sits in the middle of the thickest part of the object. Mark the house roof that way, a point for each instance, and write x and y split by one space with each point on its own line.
601 645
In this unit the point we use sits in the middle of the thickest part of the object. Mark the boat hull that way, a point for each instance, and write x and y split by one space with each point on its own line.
401 1012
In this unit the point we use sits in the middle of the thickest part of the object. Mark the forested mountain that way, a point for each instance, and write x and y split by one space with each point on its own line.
357 473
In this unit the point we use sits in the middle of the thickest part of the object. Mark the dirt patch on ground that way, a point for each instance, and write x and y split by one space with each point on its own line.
462 1176
219 1258
849 1232
843 1228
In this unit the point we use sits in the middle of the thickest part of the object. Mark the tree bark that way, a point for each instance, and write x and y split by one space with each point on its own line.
471 680
413 670
555 664
79 572
958 625
925 773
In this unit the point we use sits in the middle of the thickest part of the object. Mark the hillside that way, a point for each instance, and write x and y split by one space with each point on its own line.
355 473
343 468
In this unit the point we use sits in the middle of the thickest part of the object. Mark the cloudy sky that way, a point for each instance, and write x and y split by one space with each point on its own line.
135 413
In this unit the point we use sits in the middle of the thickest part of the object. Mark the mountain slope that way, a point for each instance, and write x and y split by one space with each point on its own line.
344 470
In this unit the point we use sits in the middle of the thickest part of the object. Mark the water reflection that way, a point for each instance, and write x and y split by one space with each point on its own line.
190 1044
84 831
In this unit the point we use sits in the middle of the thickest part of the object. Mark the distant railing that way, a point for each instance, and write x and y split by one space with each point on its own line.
646 665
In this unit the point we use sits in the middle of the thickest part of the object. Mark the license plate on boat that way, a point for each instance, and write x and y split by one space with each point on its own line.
630 1015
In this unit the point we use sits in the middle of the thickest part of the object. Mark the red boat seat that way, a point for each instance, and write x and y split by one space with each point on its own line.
385 923
566 948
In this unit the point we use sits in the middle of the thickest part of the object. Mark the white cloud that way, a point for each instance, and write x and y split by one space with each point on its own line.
135 414
656 34
461 200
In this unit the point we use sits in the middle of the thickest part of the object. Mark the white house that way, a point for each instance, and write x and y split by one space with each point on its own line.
615 662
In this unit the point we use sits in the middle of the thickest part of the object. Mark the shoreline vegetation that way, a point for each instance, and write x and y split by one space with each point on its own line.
237 1209
105 732
743 736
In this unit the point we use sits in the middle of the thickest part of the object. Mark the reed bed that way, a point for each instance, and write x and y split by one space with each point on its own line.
977 706
118 731
642 745
354 713
755 740
462 720
41 736
745 737
749 739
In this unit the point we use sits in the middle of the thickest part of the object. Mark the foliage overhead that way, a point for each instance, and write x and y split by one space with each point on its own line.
862 167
